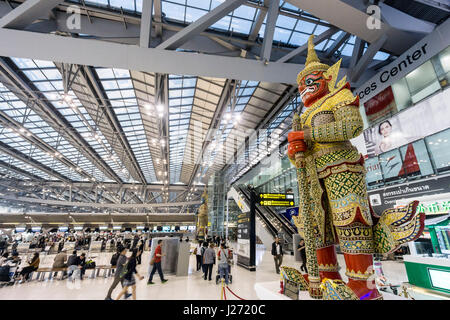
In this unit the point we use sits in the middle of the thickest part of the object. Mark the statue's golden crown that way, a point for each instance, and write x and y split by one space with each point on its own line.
313 64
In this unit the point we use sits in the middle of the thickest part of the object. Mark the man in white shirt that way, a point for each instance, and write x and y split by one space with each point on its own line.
277 253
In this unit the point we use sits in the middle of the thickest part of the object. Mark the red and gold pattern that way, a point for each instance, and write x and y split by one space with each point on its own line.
334 206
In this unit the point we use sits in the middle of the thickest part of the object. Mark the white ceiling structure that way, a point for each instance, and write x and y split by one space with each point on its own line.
108 105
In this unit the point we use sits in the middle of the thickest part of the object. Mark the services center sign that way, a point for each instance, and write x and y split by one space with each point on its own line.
429 46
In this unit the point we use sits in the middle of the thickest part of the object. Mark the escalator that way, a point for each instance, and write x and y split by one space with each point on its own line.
274 223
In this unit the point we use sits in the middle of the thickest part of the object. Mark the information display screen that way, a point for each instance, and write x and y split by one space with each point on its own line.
166 229
191 228
63 229
183 228
20 229
36 229
276 199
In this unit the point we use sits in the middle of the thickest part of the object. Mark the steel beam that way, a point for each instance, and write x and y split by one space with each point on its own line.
367 58
15 43
337 44
321 37
158 17
27 13
272 16
100 205
354 21
200 24
358 49
146 24
259 20
20 171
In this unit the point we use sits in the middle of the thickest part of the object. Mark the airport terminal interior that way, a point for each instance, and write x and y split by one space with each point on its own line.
224 150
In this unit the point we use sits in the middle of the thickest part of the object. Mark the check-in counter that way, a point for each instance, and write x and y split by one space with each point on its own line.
428 272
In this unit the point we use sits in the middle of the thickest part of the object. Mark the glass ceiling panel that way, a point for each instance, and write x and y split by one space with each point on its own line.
119 89
230 120
79 118
24 166
181 98
16 109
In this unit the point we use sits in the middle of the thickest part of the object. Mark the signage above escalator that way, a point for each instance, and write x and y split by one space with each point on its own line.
276 199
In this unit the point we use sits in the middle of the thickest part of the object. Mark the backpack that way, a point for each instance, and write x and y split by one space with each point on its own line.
124 270
4 273
114 259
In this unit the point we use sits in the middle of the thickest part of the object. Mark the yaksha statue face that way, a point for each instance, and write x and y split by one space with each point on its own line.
313 86
316 79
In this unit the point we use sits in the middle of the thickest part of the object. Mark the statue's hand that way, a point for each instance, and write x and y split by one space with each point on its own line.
296 143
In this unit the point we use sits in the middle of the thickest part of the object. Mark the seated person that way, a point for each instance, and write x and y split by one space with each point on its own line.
33 266
60 261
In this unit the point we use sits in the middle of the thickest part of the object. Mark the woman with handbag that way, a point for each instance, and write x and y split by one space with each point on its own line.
33 266
129 269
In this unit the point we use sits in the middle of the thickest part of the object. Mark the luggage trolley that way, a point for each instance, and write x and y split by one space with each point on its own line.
230 276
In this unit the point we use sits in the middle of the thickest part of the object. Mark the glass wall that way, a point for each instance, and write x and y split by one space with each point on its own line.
420 83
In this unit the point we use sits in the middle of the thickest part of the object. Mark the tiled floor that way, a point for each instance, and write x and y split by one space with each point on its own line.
191 287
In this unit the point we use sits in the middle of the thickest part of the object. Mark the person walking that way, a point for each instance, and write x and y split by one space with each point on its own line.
128 279
157 264
198 254
302 249
224 263
202 252
277 253
140 252
209 259
121 261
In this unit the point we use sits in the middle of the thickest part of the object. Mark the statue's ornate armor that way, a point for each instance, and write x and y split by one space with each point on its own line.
335 175
334 196
202 217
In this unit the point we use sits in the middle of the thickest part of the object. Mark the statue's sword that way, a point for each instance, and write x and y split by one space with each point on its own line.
306 214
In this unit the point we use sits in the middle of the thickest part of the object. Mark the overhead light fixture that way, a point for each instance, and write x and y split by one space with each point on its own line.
160 108
227 116
147 106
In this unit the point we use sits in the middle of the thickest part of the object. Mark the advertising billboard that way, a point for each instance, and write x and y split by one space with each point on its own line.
425 118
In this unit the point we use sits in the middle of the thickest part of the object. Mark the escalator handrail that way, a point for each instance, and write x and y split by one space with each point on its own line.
272 229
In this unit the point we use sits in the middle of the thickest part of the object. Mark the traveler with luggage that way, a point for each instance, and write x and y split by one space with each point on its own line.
118 276
224 262
129 270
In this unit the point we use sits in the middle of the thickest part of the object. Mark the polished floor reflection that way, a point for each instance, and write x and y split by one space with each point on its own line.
191 287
